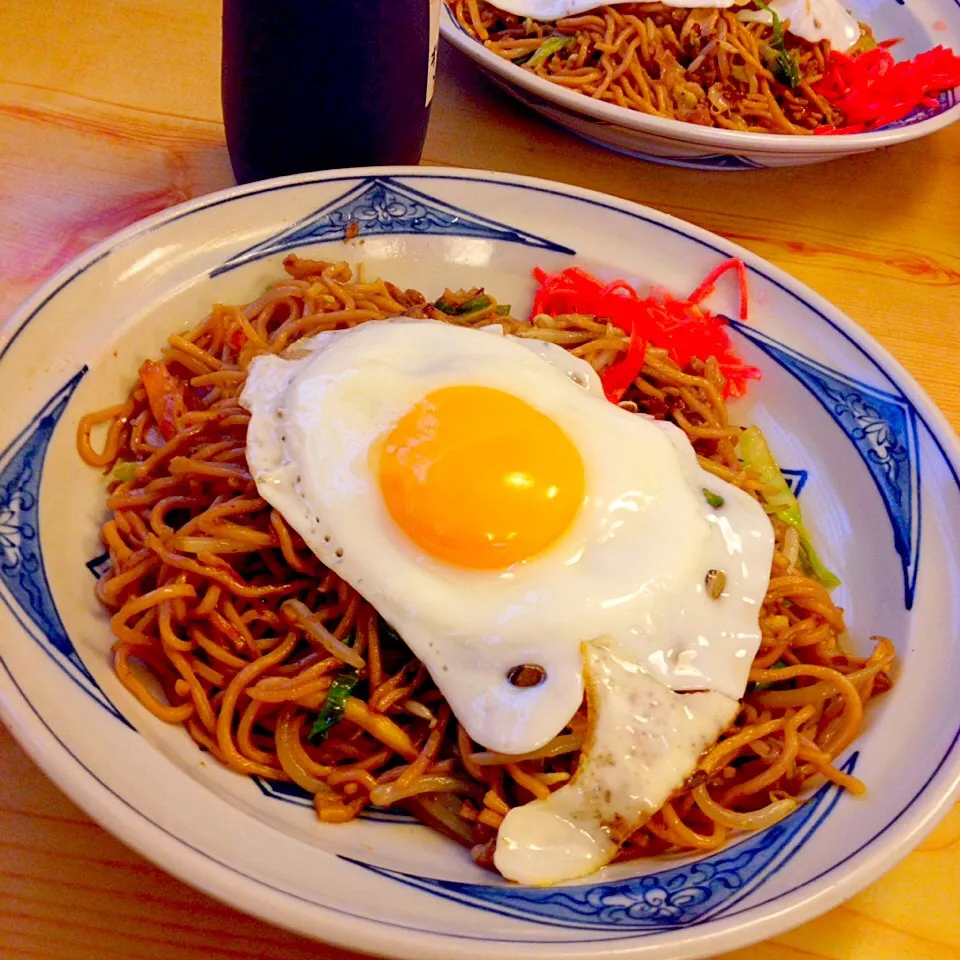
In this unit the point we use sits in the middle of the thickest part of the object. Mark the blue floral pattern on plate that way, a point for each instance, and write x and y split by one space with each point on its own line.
23 578
381 206
882 426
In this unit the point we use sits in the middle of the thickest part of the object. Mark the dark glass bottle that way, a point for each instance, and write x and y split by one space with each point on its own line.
320 84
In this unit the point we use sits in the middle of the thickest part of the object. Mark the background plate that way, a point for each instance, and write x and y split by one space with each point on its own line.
921 24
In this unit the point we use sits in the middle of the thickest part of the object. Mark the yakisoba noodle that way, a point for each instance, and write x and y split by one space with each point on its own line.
702 66
243 631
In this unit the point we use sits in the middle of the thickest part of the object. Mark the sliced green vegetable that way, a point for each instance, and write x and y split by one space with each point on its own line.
332 709
124 471
503 309
811 562
757 456
786 70
781 501
714 499
547 49
778 40
479 302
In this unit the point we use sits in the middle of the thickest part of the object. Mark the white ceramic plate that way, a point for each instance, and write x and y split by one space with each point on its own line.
873 459
921 23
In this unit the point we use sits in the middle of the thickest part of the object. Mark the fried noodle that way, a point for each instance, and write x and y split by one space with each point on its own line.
700 65
226 623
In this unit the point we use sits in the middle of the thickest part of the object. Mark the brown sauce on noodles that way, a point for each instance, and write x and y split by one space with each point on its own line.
227 624
698 65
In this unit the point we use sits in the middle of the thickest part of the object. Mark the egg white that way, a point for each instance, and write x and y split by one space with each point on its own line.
644 741
631 566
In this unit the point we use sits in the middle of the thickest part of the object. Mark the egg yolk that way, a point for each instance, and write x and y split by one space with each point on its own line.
478 478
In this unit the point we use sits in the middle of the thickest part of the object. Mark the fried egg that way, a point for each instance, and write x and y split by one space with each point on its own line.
499 512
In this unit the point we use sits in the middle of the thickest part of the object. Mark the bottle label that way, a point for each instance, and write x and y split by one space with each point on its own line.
434 46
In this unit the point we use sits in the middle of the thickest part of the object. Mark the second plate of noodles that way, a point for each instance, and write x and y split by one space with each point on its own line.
747 68
738 68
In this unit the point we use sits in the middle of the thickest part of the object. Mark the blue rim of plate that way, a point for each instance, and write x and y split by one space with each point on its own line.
366 179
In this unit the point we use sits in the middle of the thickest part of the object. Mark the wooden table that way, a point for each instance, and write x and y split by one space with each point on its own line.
109 111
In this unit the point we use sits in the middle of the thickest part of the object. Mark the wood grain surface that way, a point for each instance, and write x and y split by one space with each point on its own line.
109 111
